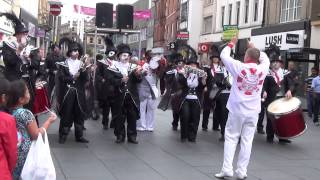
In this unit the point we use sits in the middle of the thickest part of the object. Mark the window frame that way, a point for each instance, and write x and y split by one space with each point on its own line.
294 11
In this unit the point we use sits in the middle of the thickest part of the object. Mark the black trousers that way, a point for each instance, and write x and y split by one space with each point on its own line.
209 104
269 126
71 114
125 112
316 100
261 116
106 106
221 110
51 84
175 121
190 117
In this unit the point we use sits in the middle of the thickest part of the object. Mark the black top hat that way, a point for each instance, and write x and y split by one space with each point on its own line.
188 53
176 58
123 48
19 26
110 45
72 46
273 52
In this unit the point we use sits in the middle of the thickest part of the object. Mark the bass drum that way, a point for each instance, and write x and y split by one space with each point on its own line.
287 118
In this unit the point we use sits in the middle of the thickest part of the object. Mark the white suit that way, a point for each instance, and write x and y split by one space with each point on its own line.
244 105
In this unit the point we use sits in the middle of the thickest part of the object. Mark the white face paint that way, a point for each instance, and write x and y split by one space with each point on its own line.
111 53
124 57
74 53
24 40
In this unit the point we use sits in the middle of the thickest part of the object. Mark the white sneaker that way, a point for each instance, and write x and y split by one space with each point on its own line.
150 129
140 129
241 176
223 175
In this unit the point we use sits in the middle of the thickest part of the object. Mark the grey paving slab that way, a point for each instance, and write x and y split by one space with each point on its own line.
160 155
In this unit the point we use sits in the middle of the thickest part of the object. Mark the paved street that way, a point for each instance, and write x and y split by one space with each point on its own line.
161 155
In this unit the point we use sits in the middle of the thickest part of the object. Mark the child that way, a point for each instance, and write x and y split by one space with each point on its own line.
8 135
25 122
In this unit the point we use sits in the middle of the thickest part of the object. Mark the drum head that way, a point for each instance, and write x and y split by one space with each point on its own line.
284 106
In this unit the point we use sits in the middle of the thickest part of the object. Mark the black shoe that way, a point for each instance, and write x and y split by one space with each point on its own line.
204 129
133 140
284 141
84 128
105 127
82 140
221 139
269 140
183 140
62 139
192 140
175 128
261 131
120 139
215 129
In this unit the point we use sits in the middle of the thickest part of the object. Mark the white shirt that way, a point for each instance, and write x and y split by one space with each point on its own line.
245 95
122 67
74 65
192 82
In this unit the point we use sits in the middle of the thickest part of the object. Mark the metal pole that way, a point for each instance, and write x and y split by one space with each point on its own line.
139 45
56 31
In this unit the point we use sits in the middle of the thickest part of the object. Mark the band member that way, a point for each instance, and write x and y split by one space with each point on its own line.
210 93
106 90
173 88
126 96
148 91
243 105
50 63
17 67
224 81
72 77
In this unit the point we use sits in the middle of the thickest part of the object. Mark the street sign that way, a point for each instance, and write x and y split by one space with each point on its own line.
203 47
183 35
55 9
230 31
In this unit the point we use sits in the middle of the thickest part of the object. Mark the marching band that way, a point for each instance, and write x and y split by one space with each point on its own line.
130 89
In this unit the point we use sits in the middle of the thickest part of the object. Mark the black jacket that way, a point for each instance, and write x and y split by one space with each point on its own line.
107 81
291 82
50 62
271 87
66 83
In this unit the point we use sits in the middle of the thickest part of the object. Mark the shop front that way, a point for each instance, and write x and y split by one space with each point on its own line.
292 39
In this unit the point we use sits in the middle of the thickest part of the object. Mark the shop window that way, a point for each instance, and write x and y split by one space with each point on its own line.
246 11
290 10
222 16
91 40
256 9
207 25
99 41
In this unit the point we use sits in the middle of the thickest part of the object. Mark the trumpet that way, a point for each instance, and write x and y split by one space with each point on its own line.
194 70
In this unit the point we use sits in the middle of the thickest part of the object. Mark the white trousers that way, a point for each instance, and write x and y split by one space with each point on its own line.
147 109
238 126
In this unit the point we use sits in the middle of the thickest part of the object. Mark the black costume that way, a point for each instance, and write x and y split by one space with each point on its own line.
71 95
127 102
106 90
51 67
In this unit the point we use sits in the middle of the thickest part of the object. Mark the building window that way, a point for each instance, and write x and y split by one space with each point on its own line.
91 40
230 13
208 2
172 30
238 12
99 41
246 11
184 11
207 25
222 16
290 10
256 9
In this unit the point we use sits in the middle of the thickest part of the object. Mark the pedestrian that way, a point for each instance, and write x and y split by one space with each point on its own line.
315 88
243 105
26 124
308 90
8 135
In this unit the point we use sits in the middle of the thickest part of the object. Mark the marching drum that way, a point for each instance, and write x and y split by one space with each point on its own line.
287 118
41 101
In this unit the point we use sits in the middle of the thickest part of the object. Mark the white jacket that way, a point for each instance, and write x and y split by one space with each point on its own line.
245 95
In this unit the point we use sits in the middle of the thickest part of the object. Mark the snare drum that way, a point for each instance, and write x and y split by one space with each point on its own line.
287 118
41 101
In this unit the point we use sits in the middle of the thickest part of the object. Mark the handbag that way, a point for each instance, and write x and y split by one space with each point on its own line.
39 164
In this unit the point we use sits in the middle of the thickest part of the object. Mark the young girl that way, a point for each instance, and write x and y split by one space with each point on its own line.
8 135
25 120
